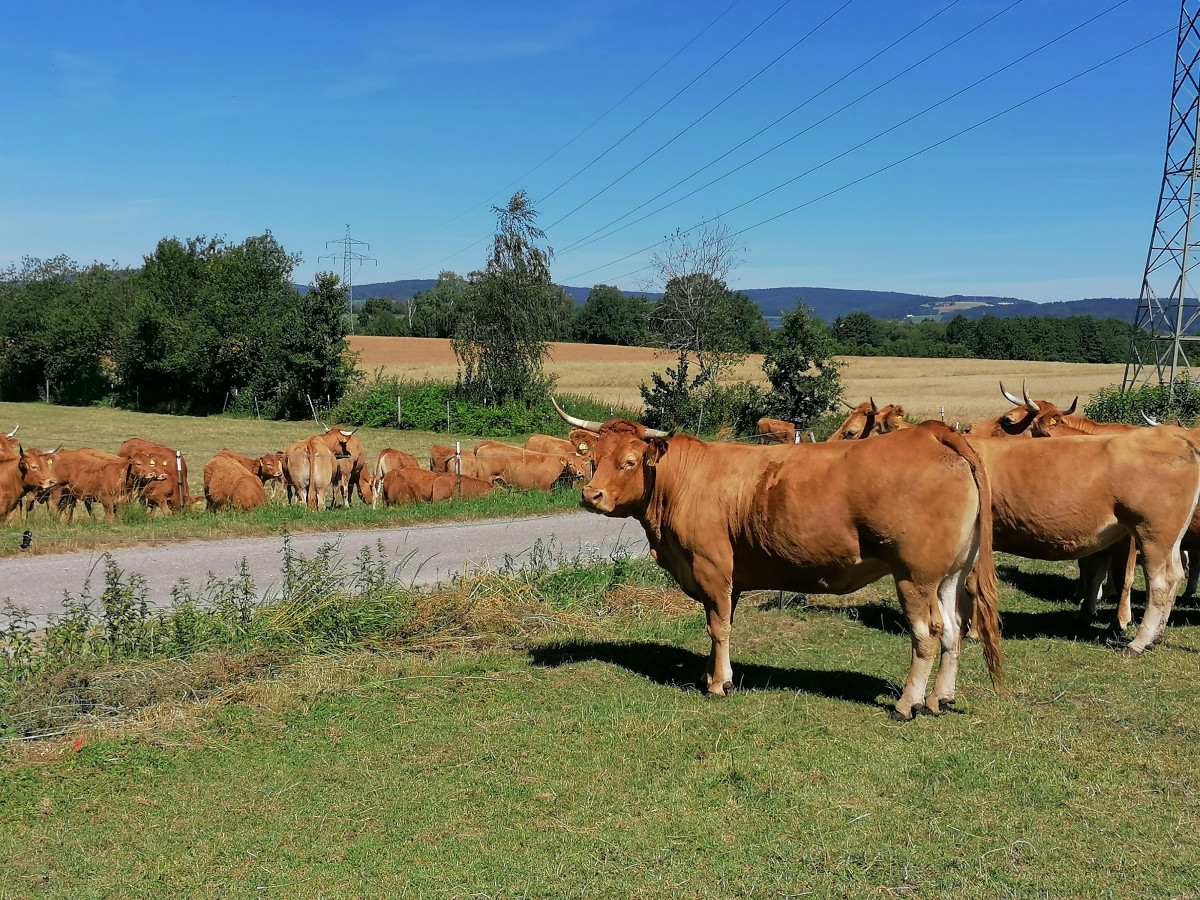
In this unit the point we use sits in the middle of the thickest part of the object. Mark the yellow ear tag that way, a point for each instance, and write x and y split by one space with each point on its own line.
1054 421
152 462
652 463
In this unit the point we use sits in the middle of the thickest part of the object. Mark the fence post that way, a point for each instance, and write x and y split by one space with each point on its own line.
399 412
179 477
47 390
812 438
796 437
255 398
458 466
942 412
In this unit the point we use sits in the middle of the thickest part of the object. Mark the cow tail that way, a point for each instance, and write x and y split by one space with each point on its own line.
987 585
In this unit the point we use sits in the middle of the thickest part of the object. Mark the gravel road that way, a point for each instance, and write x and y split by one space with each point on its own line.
38 582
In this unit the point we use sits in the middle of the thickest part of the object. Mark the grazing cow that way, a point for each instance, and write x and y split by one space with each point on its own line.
228 483
867 419
776 431
409 485
387 460
525 469
28 472
724 518
9 448
160 493
440 458
96 477
351 459
1074 497
308 471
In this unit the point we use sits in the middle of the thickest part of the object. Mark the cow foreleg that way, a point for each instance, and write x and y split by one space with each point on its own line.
921 608
1092 570
1163 570
1192 564
719 599
1121 569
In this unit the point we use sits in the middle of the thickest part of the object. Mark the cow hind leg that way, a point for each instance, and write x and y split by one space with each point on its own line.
1164 571
922 609
955 603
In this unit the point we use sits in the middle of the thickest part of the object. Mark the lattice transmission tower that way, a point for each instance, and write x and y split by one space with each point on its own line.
349 257
1163 342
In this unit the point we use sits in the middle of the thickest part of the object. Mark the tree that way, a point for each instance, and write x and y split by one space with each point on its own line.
799 364
509 314
695 313
433 313
609 316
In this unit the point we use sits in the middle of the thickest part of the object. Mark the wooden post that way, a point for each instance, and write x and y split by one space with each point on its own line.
812 438
399 412
458 466
179 477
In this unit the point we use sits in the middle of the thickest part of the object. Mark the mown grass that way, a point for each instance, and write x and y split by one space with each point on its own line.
199 439
571 755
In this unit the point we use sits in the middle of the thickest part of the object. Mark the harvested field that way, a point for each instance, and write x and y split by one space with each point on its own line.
967 388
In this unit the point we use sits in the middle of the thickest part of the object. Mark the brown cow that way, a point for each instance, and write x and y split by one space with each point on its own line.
228 483
93 476
387 460
308 471
776 431
28 472
9 448
440 458
1018 420
160 493
268 468
724 518
351 461
409 485
525 469
867 419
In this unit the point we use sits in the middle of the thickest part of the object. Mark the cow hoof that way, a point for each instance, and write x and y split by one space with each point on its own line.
713 695
897 716
1129 651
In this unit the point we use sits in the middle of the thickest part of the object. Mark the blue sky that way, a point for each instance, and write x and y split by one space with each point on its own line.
127 122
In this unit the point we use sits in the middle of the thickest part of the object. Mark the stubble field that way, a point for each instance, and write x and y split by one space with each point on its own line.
966 388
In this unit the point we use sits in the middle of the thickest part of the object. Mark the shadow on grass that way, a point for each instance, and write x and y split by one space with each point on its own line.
675 667
1062 624
1047 586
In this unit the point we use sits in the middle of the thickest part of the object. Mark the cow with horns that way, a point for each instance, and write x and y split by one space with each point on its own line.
724 518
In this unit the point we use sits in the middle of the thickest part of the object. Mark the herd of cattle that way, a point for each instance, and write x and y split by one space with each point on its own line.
925 503
327 468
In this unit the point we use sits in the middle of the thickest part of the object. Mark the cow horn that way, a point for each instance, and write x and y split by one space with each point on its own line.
346 433
655 433
578 423
1009 397
1070 409
1029 404
1150 420
874 408
56 449
845 404
13 433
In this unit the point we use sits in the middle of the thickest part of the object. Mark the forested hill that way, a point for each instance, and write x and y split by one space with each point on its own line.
830 303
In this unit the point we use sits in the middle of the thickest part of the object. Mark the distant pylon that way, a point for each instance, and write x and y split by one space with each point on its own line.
1167 307
349 256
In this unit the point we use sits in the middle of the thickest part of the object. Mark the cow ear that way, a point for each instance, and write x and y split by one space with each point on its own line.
655 449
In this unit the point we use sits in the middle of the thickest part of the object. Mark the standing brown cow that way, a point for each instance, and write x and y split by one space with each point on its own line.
308 470
160 493
352 469
723 518
228 483
94 476
28 472
776 431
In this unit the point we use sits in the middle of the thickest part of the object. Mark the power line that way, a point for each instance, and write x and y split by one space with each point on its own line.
894 127
706 114
795 109
589 127
633 130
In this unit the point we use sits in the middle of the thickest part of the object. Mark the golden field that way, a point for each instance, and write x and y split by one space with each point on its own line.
967 388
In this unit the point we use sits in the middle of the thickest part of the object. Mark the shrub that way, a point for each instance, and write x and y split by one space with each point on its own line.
1112 404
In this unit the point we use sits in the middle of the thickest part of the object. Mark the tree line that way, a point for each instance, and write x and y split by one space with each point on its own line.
202 326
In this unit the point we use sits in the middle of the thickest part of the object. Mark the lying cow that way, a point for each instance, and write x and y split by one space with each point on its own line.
387 460
268 468
409 485
525 469
229 484
724 518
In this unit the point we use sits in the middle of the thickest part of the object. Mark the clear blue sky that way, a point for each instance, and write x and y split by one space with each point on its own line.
127 122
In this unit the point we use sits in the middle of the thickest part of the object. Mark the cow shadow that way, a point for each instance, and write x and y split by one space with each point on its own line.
675 667
1046 586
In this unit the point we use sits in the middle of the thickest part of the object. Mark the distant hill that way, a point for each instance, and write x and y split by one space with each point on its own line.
829 303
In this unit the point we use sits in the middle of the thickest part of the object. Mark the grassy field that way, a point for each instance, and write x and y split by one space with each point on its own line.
46 426
967 388
575 757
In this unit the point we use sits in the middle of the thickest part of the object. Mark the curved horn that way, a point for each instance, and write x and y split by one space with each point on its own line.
1009 397
845 404
585 424
346 433
1070 409
13 433
1150 420
1029 404
874 408
56 449
655 433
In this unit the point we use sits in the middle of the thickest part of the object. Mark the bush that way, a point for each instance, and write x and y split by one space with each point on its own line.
1112 404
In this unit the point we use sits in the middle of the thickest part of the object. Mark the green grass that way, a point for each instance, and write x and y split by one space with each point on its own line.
199 439
578 759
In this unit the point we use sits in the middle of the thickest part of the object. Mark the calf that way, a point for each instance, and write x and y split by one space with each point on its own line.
92 476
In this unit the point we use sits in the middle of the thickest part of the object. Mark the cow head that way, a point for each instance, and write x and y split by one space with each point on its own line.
625 455
144 467
576 467
270 466
37 469
1018 421
867 419
338 441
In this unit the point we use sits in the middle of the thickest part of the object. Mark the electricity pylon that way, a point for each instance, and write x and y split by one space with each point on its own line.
349 256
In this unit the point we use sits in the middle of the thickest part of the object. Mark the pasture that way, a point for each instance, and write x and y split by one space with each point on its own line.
199 439
967 388
564 750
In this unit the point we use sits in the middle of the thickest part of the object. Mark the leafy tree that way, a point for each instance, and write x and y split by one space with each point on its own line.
433 313
799 364
609 316
509 315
